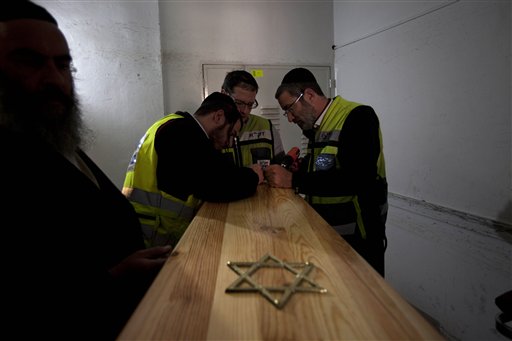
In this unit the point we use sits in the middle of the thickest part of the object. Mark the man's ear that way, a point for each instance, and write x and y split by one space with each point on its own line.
218 117
309 94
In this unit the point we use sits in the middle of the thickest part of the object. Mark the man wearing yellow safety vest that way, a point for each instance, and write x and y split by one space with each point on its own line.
259 141
178 165
343 173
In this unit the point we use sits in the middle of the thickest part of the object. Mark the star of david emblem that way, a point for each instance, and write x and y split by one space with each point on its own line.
300 283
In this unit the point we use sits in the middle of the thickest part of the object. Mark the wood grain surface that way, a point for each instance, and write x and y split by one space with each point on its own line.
188 299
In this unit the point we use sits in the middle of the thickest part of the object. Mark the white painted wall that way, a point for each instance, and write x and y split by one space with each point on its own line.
449 265
115 47
441 84
439 75
238 32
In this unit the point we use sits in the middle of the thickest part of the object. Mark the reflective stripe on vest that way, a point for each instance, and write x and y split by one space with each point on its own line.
156 200
164 218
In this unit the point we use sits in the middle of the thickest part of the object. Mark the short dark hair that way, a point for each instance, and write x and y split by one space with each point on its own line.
24 9
219 101
297 80
239 78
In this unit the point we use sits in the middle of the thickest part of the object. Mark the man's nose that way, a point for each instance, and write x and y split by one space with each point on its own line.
244 109
52 74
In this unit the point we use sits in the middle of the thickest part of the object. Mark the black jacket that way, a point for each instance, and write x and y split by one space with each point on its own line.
188 164
358 152
61 234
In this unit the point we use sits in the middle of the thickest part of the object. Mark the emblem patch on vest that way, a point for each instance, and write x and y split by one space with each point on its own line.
325 161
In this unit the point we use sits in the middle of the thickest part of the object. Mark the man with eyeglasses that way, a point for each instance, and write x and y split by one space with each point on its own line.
178 165
259 141
343 174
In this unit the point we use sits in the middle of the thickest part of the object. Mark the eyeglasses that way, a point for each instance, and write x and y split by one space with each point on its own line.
289 107
242 104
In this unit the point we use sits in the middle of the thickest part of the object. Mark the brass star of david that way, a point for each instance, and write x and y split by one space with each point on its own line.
300 270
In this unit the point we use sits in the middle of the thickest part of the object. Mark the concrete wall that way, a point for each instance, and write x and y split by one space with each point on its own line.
449 265
115 47
238 32
438 73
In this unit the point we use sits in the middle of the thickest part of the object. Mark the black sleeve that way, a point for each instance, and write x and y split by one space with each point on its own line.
189 164
358 151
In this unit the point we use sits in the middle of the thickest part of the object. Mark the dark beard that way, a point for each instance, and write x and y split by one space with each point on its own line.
49 114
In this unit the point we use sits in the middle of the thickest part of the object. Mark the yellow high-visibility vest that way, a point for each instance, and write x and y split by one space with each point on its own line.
324 151
256 142
164 218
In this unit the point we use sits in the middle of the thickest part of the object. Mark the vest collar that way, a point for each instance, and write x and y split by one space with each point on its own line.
318 121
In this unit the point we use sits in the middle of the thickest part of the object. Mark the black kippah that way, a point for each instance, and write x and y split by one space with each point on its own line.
217 100
299 75
23 9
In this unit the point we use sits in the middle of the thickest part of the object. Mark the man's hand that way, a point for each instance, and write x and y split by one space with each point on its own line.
142 262
257 168
278 176
296 165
